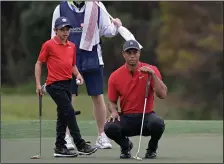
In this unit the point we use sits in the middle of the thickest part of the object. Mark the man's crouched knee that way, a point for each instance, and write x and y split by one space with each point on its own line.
111 129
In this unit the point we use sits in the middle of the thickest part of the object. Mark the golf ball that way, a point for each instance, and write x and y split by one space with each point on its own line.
78 82
44 88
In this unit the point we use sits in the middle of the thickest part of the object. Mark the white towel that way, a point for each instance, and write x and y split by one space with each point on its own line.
90 34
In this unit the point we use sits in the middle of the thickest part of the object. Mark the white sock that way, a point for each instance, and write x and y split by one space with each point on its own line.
102 134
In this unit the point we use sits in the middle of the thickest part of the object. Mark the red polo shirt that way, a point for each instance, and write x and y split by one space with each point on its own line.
131 89
59 58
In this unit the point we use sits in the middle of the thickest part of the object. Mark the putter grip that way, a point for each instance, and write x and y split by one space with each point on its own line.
40 105
147 87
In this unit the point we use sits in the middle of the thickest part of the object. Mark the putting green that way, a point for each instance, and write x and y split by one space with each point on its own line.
30 129
183 148
183 141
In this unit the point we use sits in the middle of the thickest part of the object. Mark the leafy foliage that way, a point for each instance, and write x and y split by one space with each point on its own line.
194 51
184 39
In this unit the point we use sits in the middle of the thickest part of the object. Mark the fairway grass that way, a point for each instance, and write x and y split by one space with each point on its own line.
25 107
30 129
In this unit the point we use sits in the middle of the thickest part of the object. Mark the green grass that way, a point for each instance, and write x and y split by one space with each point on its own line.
25 107
20 131
186 148
25 88
29 87
28 129
16 107
19 118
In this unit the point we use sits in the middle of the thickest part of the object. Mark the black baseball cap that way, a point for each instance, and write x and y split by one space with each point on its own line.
131 44
62 22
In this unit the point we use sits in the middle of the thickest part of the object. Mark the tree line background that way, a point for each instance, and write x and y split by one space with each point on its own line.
183 39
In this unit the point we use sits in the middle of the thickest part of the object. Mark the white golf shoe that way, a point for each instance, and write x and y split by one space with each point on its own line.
69 144
103 142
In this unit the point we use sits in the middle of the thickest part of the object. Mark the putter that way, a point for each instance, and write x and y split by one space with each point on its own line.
143 116
40 119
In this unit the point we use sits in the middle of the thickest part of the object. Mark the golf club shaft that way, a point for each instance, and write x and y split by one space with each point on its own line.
40 133
143 115
104 10
40 117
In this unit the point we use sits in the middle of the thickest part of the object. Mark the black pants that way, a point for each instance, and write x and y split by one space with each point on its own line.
130 125
60 92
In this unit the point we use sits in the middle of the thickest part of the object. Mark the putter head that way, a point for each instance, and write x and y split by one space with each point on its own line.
137 158
35 157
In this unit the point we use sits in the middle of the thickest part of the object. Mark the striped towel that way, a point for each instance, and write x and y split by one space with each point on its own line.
90 34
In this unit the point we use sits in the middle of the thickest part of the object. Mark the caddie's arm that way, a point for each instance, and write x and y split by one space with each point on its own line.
107 27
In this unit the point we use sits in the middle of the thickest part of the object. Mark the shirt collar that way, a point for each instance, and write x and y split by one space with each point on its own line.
57 41
139 66
73 7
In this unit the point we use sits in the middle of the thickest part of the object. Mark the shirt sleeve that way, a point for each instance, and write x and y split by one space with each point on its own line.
112 90
106 27
44 52
56 14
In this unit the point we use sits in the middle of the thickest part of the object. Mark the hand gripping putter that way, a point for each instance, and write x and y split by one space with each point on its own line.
143 116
